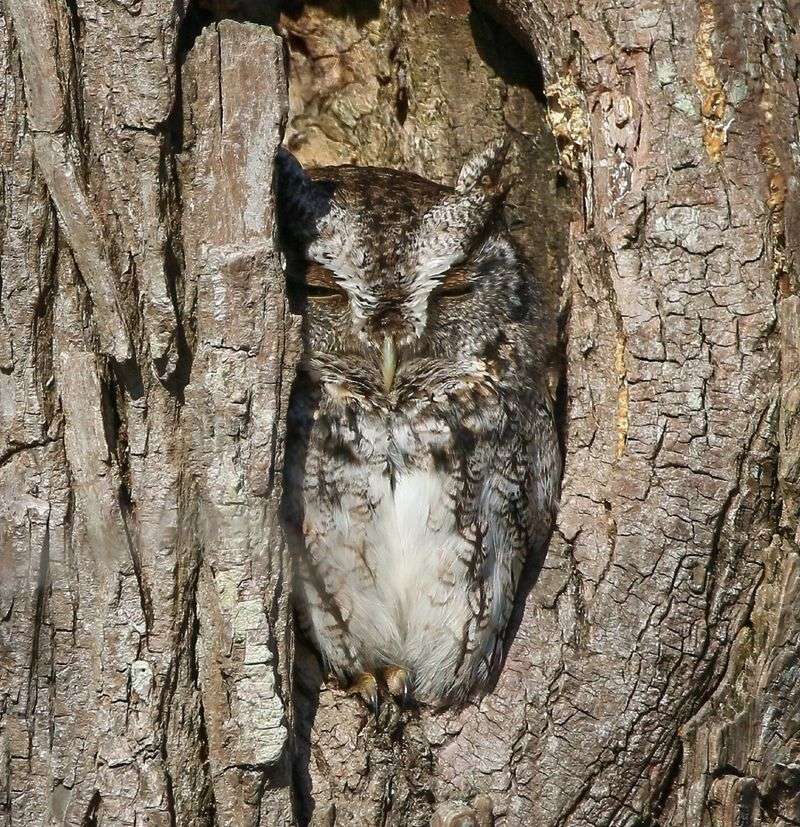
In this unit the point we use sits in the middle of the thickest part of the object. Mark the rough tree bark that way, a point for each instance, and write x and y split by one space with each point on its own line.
146 368
148 673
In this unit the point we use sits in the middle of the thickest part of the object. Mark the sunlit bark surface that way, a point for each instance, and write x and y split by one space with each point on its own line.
148 671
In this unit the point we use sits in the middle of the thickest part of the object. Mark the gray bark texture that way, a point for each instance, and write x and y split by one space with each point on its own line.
149 673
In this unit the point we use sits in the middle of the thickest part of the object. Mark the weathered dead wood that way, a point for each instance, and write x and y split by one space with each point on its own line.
144 610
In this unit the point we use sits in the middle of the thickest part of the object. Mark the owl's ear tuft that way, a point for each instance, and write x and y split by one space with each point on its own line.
301 201
484 168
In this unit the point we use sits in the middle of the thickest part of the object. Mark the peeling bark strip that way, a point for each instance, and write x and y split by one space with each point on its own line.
235 401
144 657
146 357
58 159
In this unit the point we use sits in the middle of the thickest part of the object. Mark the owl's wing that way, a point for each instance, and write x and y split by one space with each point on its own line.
507 484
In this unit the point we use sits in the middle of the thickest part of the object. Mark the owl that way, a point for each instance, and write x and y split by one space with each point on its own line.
422 461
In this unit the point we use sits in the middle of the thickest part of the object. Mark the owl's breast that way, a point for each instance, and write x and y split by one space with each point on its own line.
416 444
433 432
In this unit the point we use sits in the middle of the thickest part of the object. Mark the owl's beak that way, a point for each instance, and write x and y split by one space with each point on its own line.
389 364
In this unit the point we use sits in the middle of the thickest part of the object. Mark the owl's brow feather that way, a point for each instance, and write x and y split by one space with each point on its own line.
340 247
447 233
444 237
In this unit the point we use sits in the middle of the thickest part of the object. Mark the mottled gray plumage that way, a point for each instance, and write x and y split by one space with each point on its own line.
423 463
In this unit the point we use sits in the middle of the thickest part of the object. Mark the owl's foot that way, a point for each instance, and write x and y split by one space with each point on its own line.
366 687
398 683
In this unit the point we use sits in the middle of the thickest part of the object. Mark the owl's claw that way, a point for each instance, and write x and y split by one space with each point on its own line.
398 683
367 688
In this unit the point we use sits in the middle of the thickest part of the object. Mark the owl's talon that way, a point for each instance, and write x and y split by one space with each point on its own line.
398 683
367 688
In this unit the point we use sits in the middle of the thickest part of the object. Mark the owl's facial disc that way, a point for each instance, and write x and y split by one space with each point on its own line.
385 259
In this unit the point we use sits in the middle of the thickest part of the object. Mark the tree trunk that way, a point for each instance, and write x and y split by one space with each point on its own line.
146 369
148 670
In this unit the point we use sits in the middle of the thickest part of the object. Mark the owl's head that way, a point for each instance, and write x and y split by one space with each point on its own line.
389 266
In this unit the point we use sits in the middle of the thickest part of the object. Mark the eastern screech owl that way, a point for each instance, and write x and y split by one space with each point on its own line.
422 462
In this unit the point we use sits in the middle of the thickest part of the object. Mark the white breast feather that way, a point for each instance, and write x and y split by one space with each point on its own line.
409 603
